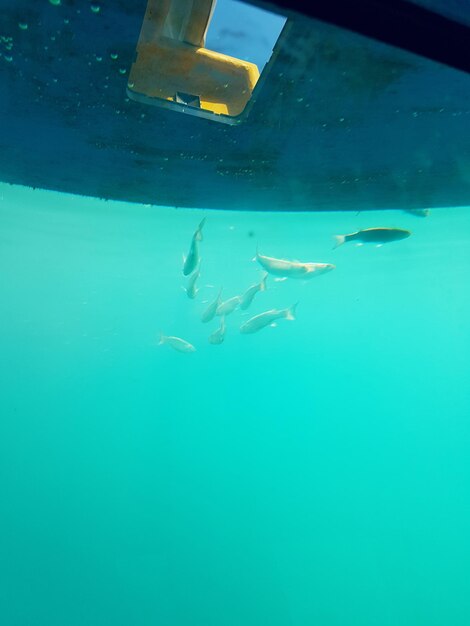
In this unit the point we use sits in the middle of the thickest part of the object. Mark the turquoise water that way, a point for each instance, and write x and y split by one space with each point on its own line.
313 473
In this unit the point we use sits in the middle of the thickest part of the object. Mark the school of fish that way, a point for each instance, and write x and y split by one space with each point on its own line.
281 269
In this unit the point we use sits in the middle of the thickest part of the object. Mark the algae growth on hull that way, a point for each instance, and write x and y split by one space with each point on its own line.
315 472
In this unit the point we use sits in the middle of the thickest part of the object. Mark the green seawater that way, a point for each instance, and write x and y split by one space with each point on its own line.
316 473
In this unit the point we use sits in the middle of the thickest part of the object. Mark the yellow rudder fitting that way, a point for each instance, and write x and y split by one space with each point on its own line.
173 69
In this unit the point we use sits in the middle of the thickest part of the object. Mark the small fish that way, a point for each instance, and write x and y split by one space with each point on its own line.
211 310
176 343
218 336
247 297
192 260
228 306
373 235
191 289
292 269
256 323
418 212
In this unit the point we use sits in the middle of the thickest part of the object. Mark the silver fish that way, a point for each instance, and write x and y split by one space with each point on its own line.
292 269
211 310
192 260
228 306
267 318
176 343
218 336
247 297
418 212
191 289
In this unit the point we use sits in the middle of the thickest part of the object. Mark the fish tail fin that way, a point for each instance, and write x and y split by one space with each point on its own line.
339 240
162 339
290 312
262 286
198 233
255 258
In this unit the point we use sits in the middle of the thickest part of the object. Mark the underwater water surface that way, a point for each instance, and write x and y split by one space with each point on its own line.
317 472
